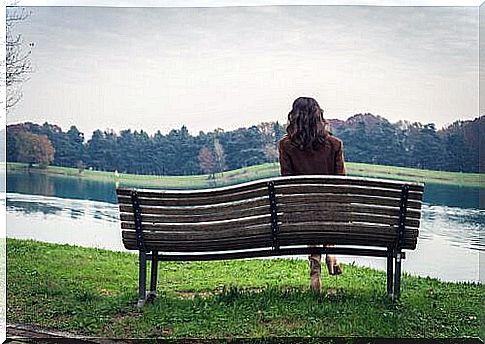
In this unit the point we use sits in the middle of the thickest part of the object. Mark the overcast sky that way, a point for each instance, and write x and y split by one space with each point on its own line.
161 68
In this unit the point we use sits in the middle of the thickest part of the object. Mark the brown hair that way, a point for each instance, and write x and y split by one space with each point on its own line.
306 126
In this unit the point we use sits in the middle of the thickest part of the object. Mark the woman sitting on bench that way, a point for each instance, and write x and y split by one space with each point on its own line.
309 148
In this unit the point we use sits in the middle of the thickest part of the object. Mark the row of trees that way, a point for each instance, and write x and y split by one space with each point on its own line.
367 138
176 153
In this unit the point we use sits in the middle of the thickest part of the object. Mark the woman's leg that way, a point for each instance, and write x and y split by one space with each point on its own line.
315 270
332 265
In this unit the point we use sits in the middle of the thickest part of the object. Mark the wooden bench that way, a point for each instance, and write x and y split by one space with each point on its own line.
280 216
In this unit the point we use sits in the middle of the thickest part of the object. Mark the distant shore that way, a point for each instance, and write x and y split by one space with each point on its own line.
250 173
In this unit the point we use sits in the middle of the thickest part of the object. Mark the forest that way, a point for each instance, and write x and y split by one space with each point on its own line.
367 138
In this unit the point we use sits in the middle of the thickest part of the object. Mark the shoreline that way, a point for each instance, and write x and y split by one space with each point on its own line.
250 173
374 263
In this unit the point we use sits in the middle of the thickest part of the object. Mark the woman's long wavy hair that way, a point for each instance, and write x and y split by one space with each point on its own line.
306 126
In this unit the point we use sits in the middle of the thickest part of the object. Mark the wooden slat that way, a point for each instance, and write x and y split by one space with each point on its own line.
190 200
260 242
191 239
339 239
247 233
131 245
306 198
209 227
336 216
357 208
162 247
294 216
317 198
198 210
303 238
199 218
320 227
357 251
348 180
129 239
345 189
187 236
219 191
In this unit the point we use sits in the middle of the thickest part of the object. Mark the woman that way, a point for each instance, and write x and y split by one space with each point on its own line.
309 148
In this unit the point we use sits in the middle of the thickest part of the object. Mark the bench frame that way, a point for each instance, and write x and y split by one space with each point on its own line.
394 259
393 253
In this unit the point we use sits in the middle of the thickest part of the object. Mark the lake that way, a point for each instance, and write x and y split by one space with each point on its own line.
84 212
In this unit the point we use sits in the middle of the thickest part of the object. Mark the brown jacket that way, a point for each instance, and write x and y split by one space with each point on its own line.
328 158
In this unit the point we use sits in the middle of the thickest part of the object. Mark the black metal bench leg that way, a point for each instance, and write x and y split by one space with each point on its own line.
153 277
397 276
142 278
390 273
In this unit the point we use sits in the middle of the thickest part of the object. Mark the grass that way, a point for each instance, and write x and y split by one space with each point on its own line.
254 172
93 292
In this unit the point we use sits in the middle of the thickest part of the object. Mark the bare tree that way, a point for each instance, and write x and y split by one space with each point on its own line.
207 162
271 152
17 58
219 156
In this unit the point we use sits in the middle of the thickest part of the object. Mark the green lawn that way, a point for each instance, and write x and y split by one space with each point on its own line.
255 172
93 292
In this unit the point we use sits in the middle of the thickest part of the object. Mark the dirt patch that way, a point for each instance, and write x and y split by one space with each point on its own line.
105 292
190 295
291 324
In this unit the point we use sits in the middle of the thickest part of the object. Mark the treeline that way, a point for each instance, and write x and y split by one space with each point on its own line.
367 138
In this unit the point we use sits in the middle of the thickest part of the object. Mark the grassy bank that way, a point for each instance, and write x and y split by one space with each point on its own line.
93 292
255 172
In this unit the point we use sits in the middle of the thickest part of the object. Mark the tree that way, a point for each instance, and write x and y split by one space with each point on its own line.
243 147
425 149
34 149
268 140
462 145
279 131
75 143
17 57
267 130
219 156
271 152
207 161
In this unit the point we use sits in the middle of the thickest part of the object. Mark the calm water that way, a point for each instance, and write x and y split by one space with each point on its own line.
82 212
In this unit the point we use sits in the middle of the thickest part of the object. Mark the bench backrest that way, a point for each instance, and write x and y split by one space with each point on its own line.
307 210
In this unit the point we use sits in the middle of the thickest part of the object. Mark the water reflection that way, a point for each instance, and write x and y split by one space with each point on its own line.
462 227
61 186
452 196
72 208
65 221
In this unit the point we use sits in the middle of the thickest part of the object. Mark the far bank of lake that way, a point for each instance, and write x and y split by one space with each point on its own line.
252 173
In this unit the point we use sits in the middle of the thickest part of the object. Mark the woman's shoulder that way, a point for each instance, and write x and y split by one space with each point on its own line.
334 141
284 141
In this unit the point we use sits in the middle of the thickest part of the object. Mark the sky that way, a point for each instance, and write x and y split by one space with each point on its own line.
158 68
